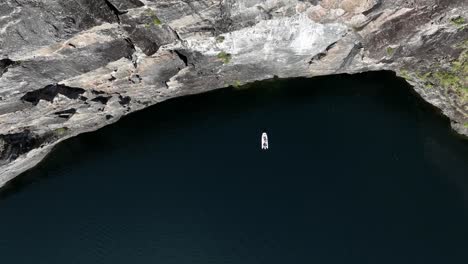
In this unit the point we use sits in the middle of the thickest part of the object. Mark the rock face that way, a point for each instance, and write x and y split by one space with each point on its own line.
68 67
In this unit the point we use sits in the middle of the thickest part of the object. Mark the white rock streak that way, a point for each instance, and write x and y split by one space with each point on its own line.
296 35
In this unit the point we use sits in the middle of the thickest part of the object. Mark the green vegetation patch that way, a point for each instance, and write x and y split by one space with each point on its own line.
61 131
153 17
405 74
424 76
156 21
458 21
390 51
454 77
429 85
426 79
220 39
224 56
447 78
237 84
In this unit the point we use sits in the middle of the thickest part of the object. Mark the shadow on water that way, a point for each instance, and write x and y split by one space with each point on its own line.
359 170
163 118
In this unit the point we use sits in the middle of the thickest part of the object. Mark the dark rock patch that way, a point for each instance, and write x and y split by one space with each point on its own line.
97 10
80 58
66 113
123 5
191 57
114 9
395 30
15 144
49 92
136 78
5 64
148 32
322 54
130 42
97 92
182 57
317 57
132 46
101 99
374 8
124 100
350 57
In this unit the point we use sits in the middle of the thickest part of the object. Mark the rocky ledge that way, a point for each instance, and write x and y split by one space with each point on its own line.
68 67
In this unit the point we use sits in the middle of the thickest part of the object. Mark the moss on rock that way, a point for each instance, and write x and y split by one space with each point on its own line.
220 39
453 76
224 56
458 21
390 51
61 131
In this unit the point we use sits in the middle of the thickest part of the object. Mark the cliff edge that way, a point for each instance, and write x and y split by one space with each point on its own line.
68 67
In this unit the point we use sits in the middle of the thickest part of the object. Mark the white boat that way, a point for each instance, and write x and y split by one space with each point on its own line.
264 141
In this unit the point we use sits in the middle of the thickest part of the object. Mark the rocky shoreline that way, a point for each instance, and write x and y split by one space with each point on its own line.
66 69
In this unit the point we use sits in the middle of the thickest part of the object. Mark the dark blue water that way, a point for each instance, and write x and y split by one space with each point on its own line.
359 171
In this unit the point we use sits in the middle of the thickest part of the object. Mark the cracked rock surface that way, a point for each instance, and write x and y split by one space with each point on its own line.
68 67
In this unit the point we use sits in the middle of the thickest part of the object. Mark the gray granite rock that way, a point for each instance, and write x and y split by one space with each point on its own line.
68 67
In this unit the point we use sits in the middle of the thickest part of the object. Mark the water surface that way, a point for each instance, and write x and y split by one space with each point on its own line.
359 171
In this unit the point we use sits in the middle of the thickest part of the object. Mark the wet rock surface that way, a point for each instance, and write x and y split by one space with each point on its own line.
68 67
